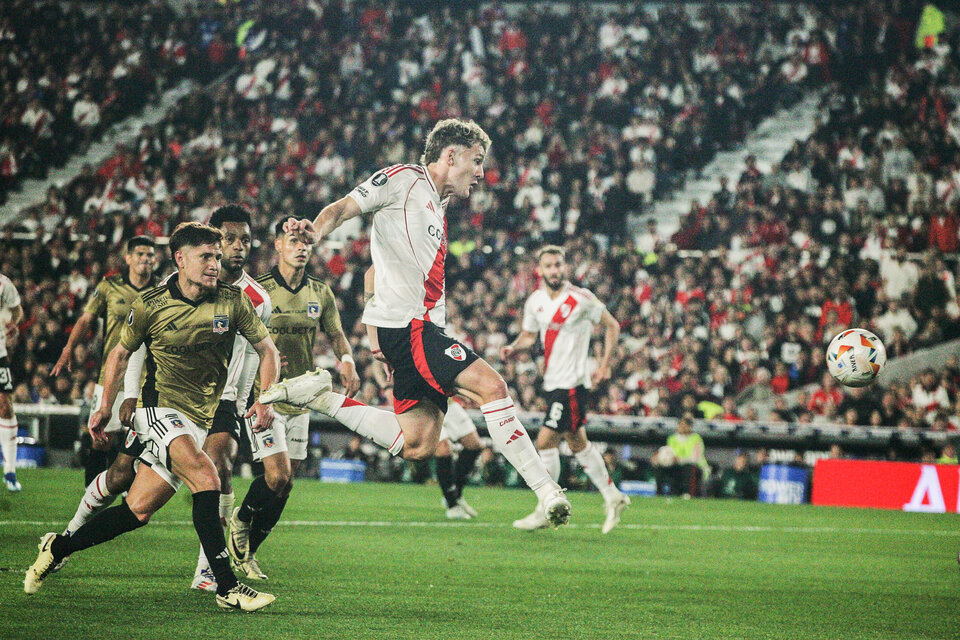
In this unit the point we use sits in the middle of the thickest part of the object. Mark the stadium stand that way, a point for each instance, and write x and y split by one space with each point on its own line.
709 316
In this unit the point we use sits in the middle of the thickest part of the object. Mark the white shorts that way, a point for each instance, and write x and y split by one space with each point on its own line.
114 424
287 433
157 428
457 424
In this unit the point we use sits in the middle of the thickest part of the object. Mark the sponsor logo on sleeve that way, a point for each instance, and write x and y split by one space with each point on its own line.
221 324
130 318
363 192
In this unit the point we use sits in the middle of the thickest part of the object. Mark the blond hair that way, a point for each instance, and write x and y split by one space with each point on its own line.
453 131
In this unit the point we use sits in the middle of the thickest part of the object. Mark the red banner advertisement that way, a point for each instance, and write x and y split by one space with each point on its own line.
905 486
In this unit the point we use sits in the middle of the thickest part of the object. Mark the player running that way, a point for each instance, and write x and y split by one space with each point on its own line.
189 325
301 305
564 317
407 313
109 472
9 299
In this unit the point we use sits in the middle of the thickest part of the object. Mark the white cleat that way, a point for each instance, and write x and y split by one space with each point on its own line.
10 479
42 566
534 521
466 507
244 598
300 391
557 508
614 511
238 537
204 580
250 568
457 512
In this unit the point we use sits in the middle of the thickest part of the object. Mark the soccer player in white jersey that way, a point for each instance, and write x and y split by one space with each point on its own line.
564 316
9 304
407 314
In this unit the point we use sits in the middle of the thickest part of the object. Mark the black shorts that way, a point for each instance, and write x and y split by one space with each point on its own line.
226 420
6 376
425 362
566 408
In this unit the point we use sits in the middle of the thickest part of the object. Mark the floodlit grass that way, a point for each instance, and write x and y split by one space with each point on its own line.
381 561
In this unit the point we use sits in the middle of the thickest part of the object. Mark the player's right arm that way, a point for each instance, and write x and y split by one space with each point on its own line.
96 306
370 196
329 218
527 337
80 330
132 335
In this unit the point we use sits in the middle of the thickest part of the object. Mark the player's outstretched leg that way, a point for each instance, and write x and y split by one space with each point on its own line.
447 483
313 390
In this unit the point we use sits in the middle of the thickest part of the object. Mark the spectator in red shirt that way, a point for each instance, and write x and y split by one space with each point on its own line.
828 394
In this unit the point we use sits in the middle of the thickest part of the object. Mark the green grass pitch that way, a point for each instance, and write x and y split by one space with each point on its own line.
380 561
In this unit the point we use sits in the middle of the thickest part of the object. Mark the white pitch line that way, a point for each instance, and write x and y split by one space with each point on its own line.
503 525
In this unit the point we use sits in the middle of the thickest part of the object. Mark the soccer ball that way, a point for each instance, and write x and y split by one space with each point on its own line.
856 357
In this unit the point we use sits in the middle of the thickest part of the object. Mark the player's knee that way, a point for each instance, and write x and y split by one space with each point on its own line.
278 479
418 453
141 508
493 387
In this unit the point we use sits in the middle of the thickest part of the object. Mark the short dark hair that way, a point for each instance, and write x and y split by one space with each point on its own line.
230 213
193 234
453 131
278 228
140 241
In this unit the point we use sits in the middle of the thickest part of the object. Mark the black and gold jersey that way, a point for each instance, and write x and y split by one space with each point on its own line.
111 301
296 316
189 345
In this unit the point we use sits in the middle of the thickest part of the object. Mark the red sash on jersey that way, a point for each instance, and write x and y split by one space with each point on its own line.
554 329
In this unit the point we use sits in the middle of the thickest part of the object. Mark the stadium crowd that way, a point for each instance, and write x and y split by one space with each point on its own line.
715 333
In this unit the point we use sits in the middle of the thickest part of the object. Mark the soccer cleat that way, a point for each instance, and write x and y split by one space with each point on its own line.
534 521
556 508
10 479
42 566
614 511
457 512
244 598
250 568
300 391
238 538
204 580
466 507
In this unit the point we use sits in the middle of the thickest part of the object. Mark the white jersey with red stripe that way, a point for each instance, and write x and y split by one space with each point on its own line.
9 298
245 361
408 244
565 324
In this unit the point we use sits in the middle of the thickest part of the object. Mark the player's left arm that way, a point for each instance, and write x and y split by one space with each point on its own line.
330 321
611 333
251 327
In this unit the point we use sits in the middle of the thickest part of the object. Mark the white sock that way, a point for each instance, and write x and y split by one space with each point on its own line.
551 460
201 561
512 440
8 444
380 426
592 462
226 506
96 497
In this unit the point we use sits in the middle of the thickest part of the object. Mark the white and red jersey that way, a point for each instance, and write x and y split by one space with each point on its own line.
9 298
408 243
245 361
565 324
